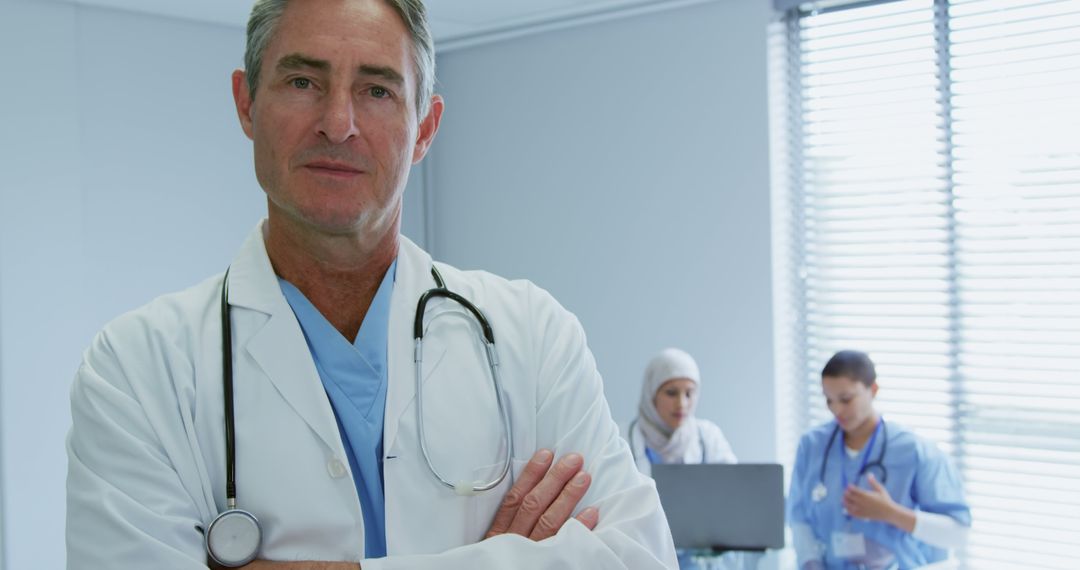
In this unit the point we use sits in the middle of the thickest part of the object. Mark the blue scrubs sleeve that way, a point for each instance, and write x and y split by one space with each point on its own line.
797 494
938 488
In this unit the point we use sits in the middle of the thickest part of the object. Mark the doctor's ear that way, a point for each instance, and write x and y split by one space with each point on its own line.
243 100
429 125
873 390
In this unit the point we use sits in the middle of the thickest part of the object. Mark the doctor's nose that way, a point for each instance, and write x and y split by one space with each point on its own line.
338 123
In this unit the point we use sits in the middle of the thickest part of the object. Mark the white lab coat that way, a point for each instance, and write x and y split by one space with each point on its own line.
710 446
146 448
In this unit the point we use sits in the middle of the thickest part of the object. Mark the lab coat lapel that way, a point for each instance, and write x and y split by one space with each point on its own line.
278 347
413 278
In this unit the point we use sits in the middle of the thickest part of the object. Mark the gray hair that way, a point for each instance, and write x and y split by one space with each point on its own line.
266 14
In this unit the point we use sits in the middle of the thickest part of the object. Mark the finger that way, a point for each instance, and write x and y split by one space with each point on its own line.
856 492
544 493
852 501
874 483
853 508
589 517
532 474
562 507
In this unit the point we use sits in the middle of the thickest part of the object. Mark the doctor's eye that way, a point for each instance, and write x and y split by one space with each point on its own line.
300 82
379 92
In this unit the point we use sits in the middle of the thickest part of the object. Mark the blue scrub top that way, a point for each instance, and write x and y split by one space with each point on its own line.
354 376
920 477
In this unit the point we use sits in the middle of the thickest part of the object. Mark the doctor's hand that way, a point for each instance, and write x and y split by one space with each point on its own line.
543 499
876 504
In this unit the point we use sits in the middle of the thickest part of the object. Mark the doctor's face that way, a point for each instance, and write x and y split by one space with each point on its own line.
849 400
333 119
675 401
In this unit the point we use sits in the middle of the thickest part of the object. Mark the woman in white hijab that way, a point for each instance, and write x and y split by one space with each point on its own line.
666 430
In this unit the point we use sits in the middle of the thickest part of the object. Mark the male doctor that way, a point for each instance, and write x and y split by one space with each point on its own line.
337 98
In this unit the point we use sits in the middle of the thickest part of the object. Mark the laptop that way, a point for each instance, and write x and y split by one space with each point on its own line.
723 506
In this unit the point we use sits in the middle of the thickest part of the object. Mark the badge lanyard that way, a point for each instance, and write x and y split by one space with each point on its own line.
848 544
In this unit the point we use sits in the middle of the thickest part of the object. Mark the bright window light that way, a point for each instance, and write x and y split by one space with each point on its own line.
926 164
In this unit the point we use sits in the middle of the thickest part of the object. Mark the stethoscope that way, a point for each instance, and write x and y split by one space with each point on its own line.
821 491
234 537
651 455
465 488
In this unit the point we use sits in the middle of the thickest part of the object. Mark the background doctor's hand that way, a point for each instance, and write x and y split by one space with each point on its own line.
876 504
543 499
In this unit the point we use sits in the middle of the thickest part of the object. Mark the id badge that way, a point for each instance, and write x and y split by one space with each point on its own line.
848 544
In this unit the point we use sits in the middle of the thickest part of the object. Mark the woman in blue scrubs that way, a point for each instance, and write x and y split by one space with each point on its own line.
866 493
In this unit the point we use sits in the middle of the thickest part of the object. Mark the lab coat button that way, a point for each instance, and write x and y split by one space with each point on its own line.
336 468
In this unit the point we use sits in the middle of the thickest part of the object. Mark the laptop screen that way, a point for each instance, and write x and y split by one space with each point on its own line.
723 506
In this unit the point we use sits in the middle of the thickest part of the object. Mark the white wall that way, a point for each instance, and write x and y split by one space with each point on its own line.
624 167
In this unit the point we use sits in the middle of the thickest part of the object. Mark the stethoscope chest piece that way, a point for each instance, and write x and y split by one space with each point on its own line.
819 493
233 538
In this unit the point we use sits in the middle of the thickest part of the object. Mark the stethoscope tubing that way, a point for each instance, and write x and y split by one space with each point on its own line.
231 512
227 375
878 463
462 487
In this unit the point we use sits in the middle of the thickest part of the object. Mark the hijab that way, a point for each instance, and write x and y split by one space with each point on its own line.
670 445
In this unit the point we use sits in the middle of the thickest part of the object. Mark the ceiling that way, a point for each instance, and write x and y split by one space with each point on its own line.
450 20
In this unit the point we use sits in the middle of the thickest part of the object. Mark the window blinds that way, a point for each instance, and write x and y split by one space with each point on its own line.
931 173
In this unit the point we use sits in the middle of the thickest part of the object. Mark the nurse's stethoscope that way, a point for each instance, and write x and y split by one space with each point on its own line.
821 491
651 455
234 537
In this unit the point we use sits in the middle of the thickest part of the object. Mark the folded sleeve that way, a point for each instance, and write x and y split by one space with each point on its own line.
572 412
126 504
938 530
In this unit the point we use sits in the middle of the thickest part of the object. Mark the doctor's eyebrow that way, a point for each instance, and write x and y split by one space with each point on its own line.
296 61
388 73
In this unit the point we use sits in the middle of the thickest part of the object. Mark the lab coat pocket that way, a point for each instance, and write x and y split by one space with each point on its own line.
482 507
